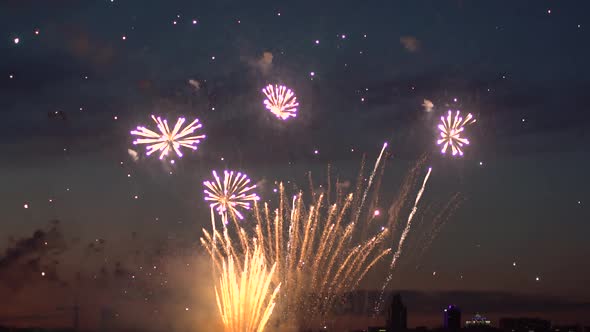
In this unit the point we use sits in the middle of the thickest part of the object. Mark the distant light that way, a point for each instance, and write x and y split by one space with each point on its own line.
481 163
548 11
135 197
513 263
124 37
174 22
172 161
26 206
316 152
317 41
186 309
537 279
523 119
455 100
37 32
213 58
312 73
376 213
16 40
363 99
116 117
279 14
11 76
194 21
343 36
43 274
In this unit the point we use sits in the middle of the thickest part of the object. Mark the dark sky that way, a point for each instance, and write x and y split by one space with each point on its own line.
85 73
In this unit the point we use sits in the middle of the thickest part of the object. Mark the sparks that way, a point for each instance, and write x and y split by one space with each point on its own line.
245 297
234 193
167 139
281 101
450 132
321 249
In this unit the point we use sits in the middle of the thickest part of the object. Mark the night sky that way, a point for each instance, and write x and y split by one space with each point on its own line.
84 220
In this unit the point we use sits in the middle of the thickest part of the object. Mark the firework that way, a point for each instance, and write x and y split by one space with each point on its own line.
319 249
244 292
167 139
450 132
230 195
281 101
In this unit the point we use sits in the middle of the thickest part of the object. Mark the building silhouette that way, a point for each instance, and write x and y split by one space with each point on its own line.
525 325
397 315
452 318
478 320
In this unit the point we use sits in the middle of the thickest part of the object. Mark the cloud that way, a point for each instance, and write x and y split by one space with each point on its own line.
428 105
133 155
33 258
264 63
410 43
195 84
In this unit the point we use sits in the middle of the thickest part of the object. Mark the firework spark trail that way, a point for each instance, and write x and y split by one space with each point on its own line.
403 195
370 182
167 139
402 239
244 294
315 250
439 221
229 196
450 132
281 101
409 223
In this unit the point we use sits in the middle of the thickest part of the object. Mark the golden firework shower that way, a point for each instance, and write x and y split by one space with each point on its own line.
167 139
320 249
281 101
230 195
244 292
450 132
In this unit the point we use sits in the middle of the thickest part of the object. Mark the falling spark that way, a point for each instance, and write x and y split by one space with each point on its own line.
230 195
402 240
244 294
409 222
450 132
281 101
167 139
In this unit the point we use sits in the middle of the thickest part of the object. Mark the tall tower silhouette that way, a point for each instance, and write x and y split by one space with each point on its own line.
397 315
